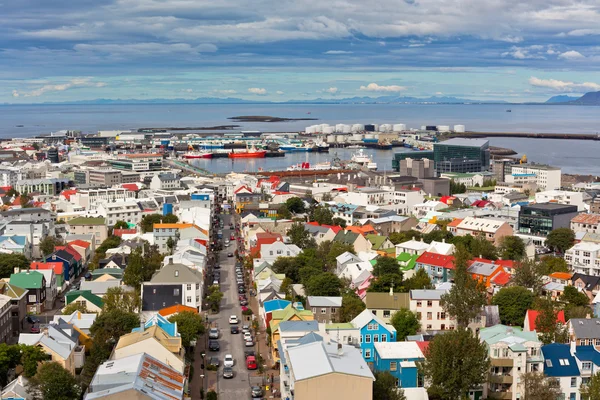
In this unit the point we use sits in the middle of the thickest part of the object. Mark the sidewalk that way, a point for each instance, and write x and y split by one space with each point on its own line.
196 381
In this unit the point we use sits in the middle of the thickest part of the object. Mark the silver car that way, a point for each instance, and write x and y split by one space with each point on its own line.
213 333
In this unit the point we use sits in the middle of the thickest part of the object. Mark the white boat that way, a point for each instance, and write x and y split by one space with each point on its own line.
364 160
356 146
305 166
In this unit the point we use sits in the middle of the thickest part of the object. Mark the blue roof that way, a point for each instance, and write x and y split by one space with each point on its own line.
298 326
169 327
20 240
559 361
308 338
277 304
281 354
587 353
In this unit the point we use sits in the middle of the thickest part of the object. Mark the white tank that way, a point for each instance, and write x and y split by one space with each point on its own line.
340 138
357 137
328 130
358 127
331 139
423 127
309 130
339 127
346 128
385 128
399 127
376 127
443 128
459 128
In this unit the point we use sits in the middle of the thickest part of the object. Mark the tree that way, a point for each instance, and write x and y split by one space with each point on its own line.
288 266
512 248
591 390
481 247
295 205
31 357
211 395
153 260
53 382
189 325
386 266
560 239
12 192
323 284
577 312
109 326
384 283
455 362
467 297
109 243
401 237
539 387
214 298
457 188
134 273
406 323
10 357
300 236
419 280
8 263
117 298
283 212
330 251
48 244
513 303
551 264
323 215
384 387
528 273
546 323
574 297
71 308
171 244
438 236
326 197
148 221
352 305
25 200
337 221
121 225
286 285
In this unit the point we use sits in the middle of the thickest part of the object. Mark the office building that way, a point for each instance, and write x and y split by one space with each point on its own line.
419 168
541 219
461 155
398 157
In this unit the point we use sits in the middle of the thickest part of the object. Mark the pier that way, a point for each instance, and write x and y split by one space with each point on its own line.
527 135
187 167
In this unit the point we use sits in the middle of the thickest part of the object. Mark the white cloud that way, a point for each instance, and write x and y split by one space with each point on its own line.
333 52
563 86
438 93
258 91
373 87
522 53
332 90
279 92
582 32
145 49
187 90
72 84
511 39
571 55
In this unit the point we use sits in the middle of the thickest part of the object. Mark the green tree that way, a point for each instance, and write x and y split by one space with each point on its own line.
386 266
71 308
384 283
539 387
109 326
286 285
283 212
31 357
25 200
406 323
171 243
577 312
53 382
457 188
438 236
591 390
117 298
323 284
109 243
384 387
574 297
323 215
551 264
300 236
401 237
546 323
48 244
189 325
8 263
512 248
330 251
211 395
419 280
148 221
12 192
295 205
121 225
529 274
10 357
337 221
153 260
326 197
481 247
352 305
455 362
288 266
560 239
467 297
214 298
513 303
134 273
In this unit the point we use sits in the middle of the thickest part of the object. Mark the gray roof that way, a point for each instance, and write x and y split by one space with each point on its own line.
464 142
324 301
25 211
585 328
298 326
425 294
100 288
481 268
176 273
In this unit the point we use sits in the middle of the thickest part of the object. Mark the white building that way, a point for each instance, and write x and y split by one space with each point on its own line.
9 176
431 315
589 223
468 179
89 198
420 210
584 258
406 199
563 197
545 176
123 210
271 252
368 196
165 181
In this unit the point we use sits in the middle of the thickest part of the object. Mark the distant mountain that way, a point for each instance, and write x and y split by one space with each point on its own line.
561 99
588 99
201 100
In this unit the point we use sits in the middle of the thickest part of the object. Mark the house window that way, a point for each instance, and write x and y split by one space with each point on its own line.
442 315
429 303
383 337
574 382
367 338
586 366
175 292
271 252
443 327
323 311
314 310
367 353
373 327
418 304
333 310
189 286
393 365
398 383
386 313
429 326
375 338
189 299
597 342
429 316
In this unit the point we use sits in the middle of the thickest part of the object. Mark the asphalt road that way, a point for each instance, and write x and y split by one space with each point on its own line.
239 387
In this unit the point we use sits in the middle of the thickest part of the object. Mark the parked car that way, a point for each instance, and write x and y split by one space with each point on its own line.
214 362
244 308
228 373
233 319
241 290
232 237
213 333
228 360
235 330
229 254
35 328
32 319
217 266
251 363
249 343
256 392
213 345
247 336
245 328
243 302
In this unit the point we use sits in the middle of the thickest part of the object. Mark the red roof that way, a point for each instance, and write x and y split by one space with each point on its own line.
57 266
121 232
27 148
280 192
423 346
244 187
67 193
480 203
334 228
167 311
502 278
436 260
80 243
132 187
532 315
362 230
71 251
455 222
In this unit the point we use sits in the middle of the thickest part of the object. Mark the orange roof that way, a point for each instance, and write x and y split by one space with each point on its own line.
362 230
565 276
57 266
70 250
67 193
177 308
501 278
121 232
455 222
172 226
132 187
80 243
531 316
423 346
587 219
334 228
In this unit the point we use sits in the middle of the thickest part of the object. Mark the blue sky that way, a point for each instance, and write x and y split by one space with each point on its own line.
297 49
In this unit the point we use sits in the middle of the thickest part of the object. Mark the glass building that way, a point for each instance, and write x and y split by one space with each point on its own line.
461 155
542 218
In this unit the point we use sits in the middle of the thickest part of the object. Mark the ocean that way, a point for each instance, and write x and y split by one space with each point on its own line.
579 157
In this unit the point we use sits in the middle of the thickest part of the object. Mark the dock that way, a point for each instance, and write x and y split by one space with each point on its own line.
527 135
187 167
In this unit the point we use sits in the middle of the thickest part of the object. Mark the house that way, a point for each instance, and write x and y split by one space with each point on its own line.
372 330
51 289
326 309
484 272
81 322
128 211
512 353
155 342
158 320
35 284
561 366
399 359
421 210
529 325
387 225
584 332
271 252
171 285
34 223
584 258
589 223
293 312
379 243
354 271
18 305
163 232
269 306
439 267
385 305
100 288
322 371
343 259
492 229
85 298
87 225
107 274
588 284
356 240
321 233
165 181
70 259
167 312
16 244
407 262
57 268
16 390
412 247
578 199
426 304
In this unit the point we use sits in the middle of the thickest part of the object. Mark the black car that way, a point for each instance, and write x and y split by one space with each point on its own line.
229 254
32 319
214 362
228 373
248 353
213 345
241 290
257 392
235 329
217 266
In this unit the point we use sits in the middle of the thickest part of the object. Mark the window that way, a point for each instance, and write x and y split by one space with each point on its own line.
189 286
197 286
429 316
367 338
418 304
367 353
586 366
442 315
175 292
314 310
373 326
597 342
384 337
393 365
323 311
375 338
189 299
574 382
429 303
386 313
333 310
573 396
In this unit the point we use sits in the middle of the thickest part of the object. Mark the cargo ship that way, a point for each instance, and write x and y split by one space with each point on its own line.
194 155
364 160
251 152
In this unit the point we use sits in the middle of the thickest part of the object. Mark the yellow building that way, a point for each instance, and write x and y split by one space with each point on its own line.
293 312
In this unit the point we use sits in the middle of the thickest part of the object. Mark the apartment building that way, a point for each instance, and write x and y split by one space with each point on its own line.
145 164
426 303
584 258
50 187
542 218
104 177
545 176
589 223
123 210
86 225
90 198
578 199
492 229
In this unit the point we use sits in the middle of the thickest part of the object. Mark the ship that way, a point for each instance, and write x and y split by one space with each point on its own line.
297 147
195 154
322 147
251 152
305 166
364 160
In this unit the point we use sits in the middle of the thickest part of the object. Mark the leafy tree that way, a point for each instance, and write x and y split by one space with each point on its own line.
109 326
12 192
8 263
153 259
529 274
386 266
134 273
300 236
25 200
438 236
352 305
48 244
121 225
481 247
464 241
455 362
171 244
513 303
323 284
189 325
283 212
211 395
406 323
337 221
512 248
109 243
457 188
286 285
326 197
539 387
310 257
53 382
295 205
71 308
591 390
31 356
574 297
116 298
288 266
560 239
401 237
467 297
384 283
10 357
546 323
551 264
148 221
384 387
577 312
323 215
419 280
214 298
330 251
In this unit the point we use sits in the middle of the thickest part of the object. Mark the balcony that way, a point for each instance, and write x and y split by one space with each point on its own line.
502 362
500 395
507 379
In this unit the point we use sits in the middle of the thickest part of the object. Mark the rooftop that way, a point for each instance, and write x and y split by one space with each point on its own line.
395 350
464 142
87 221
551 206
586 219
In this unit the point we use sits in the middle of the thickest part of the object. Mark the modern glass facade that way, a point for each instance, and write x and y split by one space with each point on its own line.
541 219
461 155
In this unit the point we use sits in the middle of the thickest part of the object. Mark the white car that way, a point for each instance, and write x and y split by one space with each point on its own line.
228 361
233 319
247 336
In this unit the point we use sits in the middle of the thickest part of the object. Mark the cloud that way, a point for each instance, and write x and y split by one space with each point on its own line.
373 87
571 55
563 86
331 90
523 53
187 90
334 52
72 84
438 93
145 49
510 39
258 91
224 91
279 92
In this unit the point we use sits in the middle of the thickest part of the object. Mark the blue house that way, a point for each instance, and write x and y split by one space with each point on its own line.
169 327
400 359
560 364
372 330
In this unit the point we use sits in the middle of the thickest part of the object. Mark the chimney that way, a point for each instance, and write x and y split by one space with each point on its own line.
392 290
340 350
17 270
443 240
421 239
142 326
171 260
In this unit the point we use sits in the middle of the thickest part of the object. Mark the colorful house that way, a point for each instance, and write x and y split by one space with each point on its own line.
529 324
372 330
86 298
293 312
439 267
57 267
271 306
71 260
399 359
483 272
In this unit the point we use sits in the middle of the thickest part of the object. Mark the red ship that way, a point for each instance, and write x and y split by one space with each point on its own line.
249 153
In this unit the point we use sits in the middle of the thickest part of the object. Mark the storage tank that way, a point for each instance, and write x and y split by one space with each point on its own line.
358 128
357 137
328 130
339 128
423 127
385 128
459 128
346 128
399 127
443 128
309 130
370 128
331 139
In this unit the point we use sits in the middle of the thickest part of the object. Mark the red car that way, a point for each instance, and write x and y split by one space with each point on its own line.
232 237
244 308
251 362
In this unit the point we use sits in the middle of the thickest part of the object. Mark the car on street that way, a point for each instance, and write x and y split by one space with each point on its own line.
235 330
228 360
215 282
243 302
226 242
233 319
247 336
249 343
232 237
213 345
241 290
217 266
229 254
35 329
33 319
228 373
213 333
245 328
256 392
244 308
214 362
251 363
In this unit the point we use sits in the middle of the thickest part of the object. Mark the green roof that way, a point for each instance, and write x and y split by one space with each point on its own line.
340 325
376 240
346 237
115 272
86 294
407 261
373 262
28 280
87 221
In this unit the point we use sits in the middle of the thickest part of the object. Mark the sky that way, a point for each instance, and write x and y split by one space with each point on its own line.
278 50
